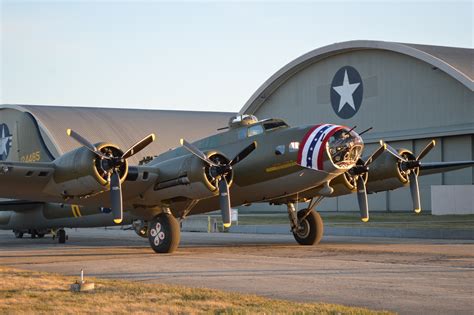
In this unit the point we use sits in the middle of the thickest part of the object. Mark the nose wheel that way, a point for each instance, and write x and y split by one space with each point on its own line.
306 225
164 233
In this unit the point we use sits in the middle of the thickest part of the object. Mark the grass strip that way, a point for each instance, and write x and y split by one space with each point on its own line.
26 292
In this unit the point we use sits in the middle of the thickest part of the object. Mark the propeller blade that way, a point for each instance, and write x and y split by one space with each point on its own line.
116 197
362 198
244 153
71 133
194 150
140 145
224 202
426 150
415 192
376 154
394 152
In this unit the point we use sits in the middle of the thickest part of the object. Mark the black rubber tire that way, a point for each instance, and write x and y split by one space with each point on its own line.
313 228
18 234
40 235
164 233
61 236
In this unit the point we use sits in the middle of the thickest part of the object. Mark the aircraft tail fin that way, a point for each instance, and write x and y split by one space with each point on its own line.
21 139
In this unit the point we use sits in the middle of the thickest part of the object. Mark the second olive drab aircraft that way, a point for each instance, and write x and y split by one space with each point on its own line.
252 161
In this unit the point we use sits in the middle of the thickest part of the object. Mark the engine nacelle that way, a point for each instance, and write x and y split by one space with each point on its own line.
187 177
344 184
385 173
80 173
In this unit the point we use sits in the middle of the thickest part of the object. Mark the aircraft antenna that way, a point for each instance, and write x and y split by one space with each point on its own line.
366 130
348 132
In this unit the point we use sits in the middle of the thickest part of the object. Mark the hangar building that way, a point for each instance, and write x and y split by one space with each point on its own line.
123 127
408 93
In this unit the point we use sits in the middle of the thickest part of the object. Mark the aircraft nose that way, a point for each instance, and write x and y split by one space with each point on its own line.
312 151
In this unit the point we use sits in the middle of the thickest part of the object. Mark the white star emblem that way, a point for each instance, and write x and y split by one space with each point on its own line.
4 140
345 91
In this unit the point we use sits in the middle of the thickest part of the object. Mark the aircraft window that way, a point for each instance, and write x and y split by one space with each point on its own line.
145 176
274 124
280 149
254 130
294 146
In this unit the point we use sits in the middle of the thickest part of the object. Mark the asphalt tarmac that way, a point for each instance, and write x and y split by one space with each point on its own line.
410 276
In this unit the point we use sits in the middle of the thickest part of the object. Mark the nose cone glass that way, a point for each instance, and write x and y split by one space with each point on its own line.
345 148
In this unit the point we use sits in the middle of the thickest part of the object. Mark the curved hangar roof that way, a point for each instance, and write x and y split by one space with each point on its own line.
456 62
122 127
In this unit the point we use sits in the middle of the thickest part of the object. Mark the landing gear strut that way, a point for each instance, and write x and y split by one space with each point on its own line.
306 225
18 234
62 237
141 228
164 233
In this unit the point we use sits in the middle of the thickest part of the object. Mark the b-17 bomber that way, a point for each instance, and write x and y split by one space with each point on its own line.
251 161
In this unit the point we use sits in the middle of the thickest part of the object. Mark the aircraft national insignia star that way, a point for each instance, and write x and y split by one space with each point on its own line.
5 142
346 92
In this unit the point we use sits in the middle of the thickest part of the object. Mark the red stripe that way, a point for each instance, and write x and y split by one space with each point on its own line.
303 142
323 146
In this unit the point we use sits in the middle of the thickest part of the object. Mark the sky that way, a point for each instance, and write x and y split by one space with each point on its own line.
206 56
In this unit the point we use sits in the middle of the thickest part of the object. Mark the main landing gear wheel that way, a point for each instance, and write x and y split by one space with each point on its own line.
310 229
164 233
18 234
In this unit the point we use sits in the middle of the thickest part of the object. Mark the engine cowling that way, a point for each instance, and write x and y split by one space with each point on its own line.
188 177
386 173
345 184
81 173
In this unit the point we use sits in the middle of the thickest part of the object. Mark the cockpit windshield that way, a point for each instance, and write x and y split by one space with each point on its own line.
345 147
274 124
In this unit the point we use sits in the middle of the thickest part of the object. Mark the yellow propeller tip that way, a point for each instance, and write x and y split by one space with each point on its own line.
68 132
434 142
365 219
417 211
153 137
117 221
181 141
227 225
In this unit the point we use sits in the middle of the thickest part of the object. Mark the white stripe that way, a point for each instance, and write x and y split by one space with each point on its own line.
309 140
317 149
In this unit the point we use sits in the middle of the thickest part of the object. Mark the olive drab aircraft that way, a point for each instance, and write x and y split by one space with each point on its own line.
251 161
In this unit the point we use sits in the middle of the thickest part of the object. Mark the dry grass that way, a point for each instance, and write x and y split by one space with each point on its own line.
38 292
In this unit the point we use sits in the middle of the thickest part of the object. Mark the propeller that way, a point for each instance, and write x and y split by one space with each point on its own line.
111 165
358 172
411 165
219 172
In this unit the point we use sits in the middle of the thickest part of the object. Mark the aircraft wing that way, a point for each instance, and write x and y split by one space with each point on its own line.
440 167
18 205
24 180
